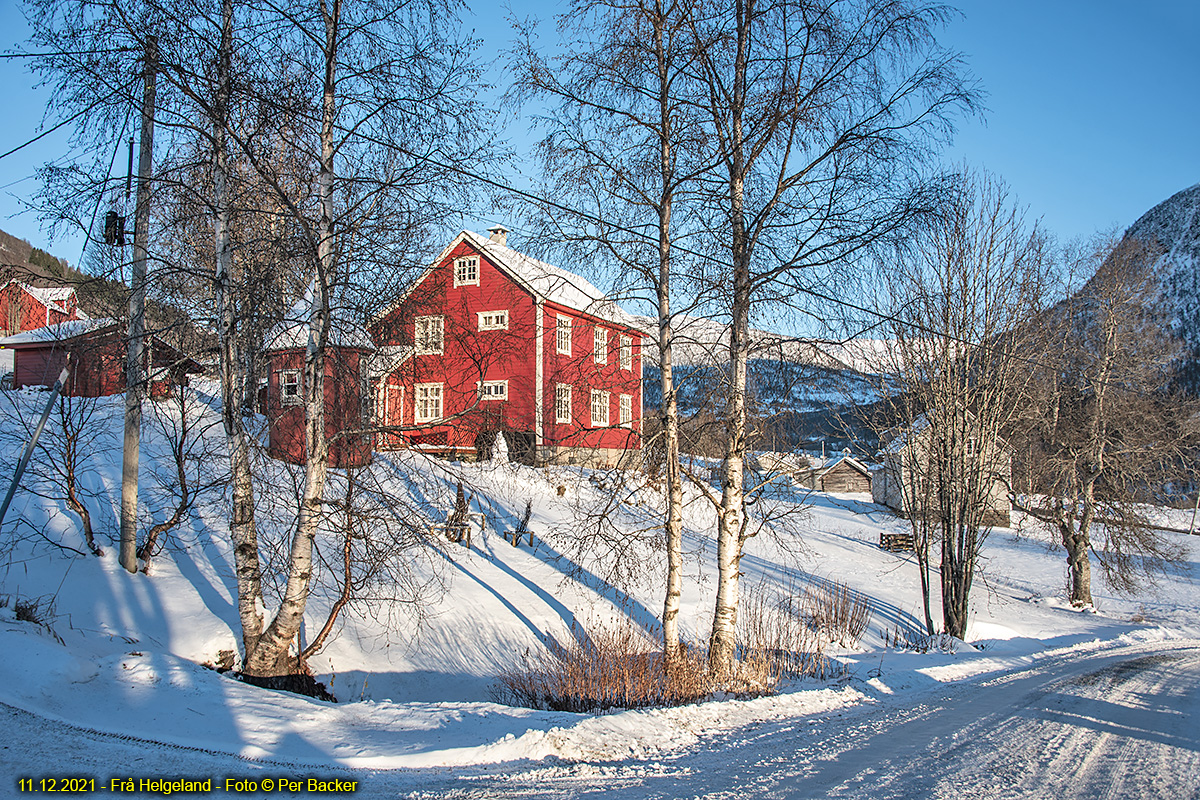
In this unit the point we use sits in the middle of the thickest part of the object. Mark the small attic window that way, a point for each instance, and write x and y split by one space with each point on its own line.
466 271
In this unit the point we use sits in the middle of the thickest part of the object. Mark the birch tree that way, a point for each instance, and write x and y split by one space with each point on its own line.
622 151
819 113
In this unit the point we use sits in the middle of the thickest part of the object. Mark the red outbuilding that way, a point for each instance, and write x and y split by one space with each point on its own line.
490 341
94 352
24 307
347 354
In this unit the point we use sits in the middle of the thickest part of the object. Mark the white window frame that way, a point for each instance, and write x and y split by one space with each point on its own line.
626 352
625 413
466 271
600 345
562 403
562 334
600 401
421 405
424 340
493 320
493 390
285 399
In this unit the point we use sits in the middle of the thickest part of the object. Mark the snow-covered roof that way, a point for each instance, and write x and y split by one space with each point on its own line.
52 297
292 331
544 281
850 460
59 332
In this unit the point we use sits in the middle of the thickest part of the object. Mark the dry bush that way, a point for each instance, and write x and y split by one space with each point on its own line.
903 637
778 639
616 666
837 611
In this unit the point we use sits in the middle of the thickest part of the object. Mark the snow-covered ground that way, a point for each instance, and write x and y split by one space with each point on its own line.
121 655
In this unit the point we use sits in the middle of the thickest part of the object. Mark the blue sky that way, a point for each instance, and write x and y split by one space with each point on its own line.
1093 114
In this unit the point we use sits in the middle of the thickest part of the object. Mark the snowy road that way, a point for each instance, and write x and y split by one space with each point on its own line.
1109 723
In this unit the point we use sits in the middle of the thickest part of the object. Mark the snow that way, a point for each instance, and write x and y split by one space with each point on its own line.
59 332
125 652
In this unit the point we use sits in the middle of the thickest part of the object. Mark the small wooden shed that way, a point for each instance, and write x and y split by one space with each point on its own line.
94 352
347 355
843 474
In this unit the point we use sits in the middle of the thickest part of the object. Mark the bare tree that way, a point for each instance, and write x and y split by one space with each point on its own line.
818 112
623 149
1107 435
960 373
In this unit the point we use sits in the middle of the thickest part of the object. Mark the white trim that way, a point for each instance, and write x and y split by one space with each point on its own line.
290 399
626 357
625 405
605 402
422 342
466 263
600 345
558 415
538 374
492 320
418 416
562 323
486 390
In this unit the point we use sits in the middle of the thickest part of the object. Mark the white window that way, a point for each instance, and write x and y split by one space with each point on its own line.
626 411
429 336
599 409
493 390
626 353
600 346
466 271
562 335
562 402
429 402
289 387
493 320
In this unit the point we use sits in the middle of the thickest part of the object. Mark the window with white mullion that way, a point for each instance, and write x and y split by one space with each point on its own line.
493 390
429 335
493 320
428 397
466 271
289 387
562 403
600 346
599 409
626 411
626 353
562 335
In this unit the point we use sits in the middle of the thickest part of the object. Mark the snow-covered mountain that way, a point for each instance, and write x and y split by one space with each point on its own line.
1173 226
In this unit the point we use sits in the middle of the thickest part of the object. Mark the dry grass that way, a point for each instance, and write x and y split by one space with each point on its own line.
782 635
903 637
617 666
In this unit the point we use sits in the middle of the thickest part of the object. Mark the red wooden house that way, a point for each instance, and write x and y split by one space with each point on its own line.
348 352
490 341
94 351
24 307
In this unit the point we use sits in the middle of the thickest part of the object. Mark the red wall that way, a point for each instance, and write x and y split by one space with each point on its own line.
19 311
471 356
343 404
97 366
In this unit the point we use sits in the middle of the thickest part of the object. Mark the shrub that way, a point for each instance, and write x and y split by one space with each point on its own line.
617 666
903 637
837 612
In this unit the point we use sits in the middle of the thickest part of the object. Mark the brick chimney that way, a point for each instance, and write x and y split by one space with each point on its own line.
499 234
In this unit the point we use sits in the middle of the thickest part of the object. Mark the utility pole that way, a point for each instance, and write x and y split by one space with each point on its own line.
134 379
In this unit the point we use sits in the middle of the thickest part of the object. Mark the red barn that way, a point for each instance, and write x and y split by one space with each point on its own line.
94 350
490 341
348 352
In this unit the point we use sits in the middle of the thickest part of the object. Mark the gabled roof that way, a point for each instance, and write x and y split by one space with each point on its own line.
52 297
292 331
849 461
544 281
59 332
